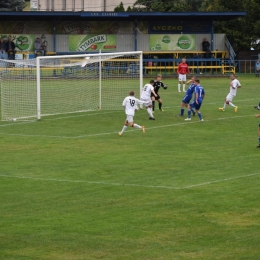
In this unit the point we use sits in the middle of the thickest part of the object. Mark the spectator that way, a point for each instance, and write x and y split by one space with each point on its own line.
197 63
2 49
39 47
205 47
257 68
10 47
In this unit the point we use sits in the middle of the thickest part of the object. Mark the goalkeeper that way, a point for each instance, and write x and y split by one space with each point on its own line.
157 84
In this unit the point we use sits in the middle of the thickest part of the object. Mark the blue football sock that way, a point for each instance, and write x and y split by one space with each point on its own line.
182 111
200 115
189 113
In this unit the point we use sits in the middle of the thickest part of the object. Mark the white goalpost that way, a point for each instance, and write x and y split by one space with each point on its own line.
52 85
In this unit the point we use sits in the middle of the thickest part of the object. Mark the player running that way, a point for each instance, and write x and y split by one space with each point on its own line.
199 96
157 84
234 85
130 104
188 96
182 70
148 89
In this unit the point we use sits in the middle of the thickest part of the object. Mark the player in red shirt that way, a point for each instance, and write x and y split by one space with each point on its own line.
182 70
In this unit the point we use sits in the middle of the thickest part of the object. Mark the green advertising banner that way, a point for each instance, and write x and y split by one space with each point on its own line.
92 42
23 42
169 42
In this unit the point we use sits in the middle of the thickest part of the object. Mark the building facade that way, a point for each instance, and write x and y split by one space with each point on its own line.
78 5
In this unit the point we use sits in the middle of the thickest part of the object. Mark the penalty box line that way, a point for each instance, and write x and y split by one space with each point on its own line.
134 185
95 113
130 130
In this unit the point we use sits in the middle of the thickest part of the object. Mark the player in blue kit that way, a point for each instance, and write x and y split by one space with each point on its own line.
199 96
188 96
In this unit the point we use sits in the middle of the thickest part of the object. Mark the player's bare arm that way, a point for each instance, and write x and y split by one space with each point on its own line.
154 93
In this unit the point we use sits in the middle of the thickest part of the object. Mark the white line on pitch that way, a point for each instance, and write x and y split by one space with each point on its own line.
102 113
134 185
18 123
130 130
82 115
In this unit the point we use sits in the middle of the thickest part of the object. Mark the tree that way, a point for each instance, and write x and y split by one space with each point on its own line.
12 5
120 8
167 5
243 31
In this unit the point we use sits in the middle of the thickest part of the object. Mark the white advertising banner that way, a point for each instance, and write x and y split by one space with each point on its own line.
34 5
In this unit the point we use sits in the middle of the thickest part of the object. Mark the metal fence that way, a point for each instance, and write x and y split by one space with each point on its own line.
245 66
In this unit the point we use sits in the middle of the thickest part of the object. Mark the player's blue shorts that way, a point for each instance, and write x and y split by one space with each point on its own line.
193 104
186 99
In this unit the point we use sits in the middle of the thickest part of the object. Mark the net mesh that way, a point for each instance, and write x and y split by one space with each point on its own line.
67 84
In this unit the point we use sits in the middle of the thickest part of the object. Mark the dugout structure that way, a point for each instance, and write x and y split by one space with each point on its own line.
131 30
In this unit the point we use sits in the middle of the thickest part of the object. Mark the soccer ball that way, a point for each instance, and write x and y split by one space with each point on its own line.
85 62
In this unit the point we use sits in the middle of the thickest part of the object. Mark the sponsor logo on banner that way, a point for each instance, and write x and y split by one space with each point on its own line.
79 27
24 42
92 42
169 42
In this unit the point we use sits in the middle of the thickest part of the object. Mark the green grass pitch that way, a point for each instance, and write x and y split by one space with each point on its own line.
71 188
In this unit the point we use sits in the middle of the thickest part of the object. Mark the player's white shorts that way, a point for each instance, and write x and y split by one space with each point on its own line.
147 104
182 77
129 119
229 97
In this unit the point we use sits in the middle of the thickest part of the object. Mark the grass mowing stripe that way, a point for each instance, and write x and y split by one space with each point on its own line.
130 130
135 185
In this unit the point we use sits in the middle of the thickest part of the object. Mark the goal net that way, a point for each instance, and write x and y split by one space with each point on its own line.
53 85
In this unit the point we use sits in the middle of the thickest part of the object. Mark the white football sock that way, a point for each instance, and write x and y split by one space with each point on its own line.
183 87
231 104
124 128
224 105
150 111
137 126
179 87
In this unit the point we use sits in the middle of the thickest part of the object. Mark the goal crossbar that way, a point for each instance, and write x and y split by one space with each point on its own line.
52 85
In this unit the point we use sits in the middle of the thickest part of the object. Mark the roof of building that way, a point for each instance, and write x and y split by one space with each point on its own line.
123 16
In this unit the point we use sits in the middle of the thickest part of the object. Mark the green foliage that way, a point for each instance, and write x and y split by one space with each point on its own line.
120 8
241 31
12 5
166 6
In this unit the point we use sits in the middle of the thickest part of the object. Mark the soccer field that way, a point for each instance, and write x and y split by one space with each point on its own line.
71 188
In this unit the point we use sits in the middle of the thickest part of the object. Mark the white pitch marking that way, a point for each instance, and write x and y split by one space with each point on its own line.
134 185
114 111
82 115
20 123
109 133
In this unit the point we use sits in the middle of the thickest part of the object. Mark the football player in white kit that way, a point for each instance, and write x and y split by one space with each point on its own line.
130 104
148 89
234 85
